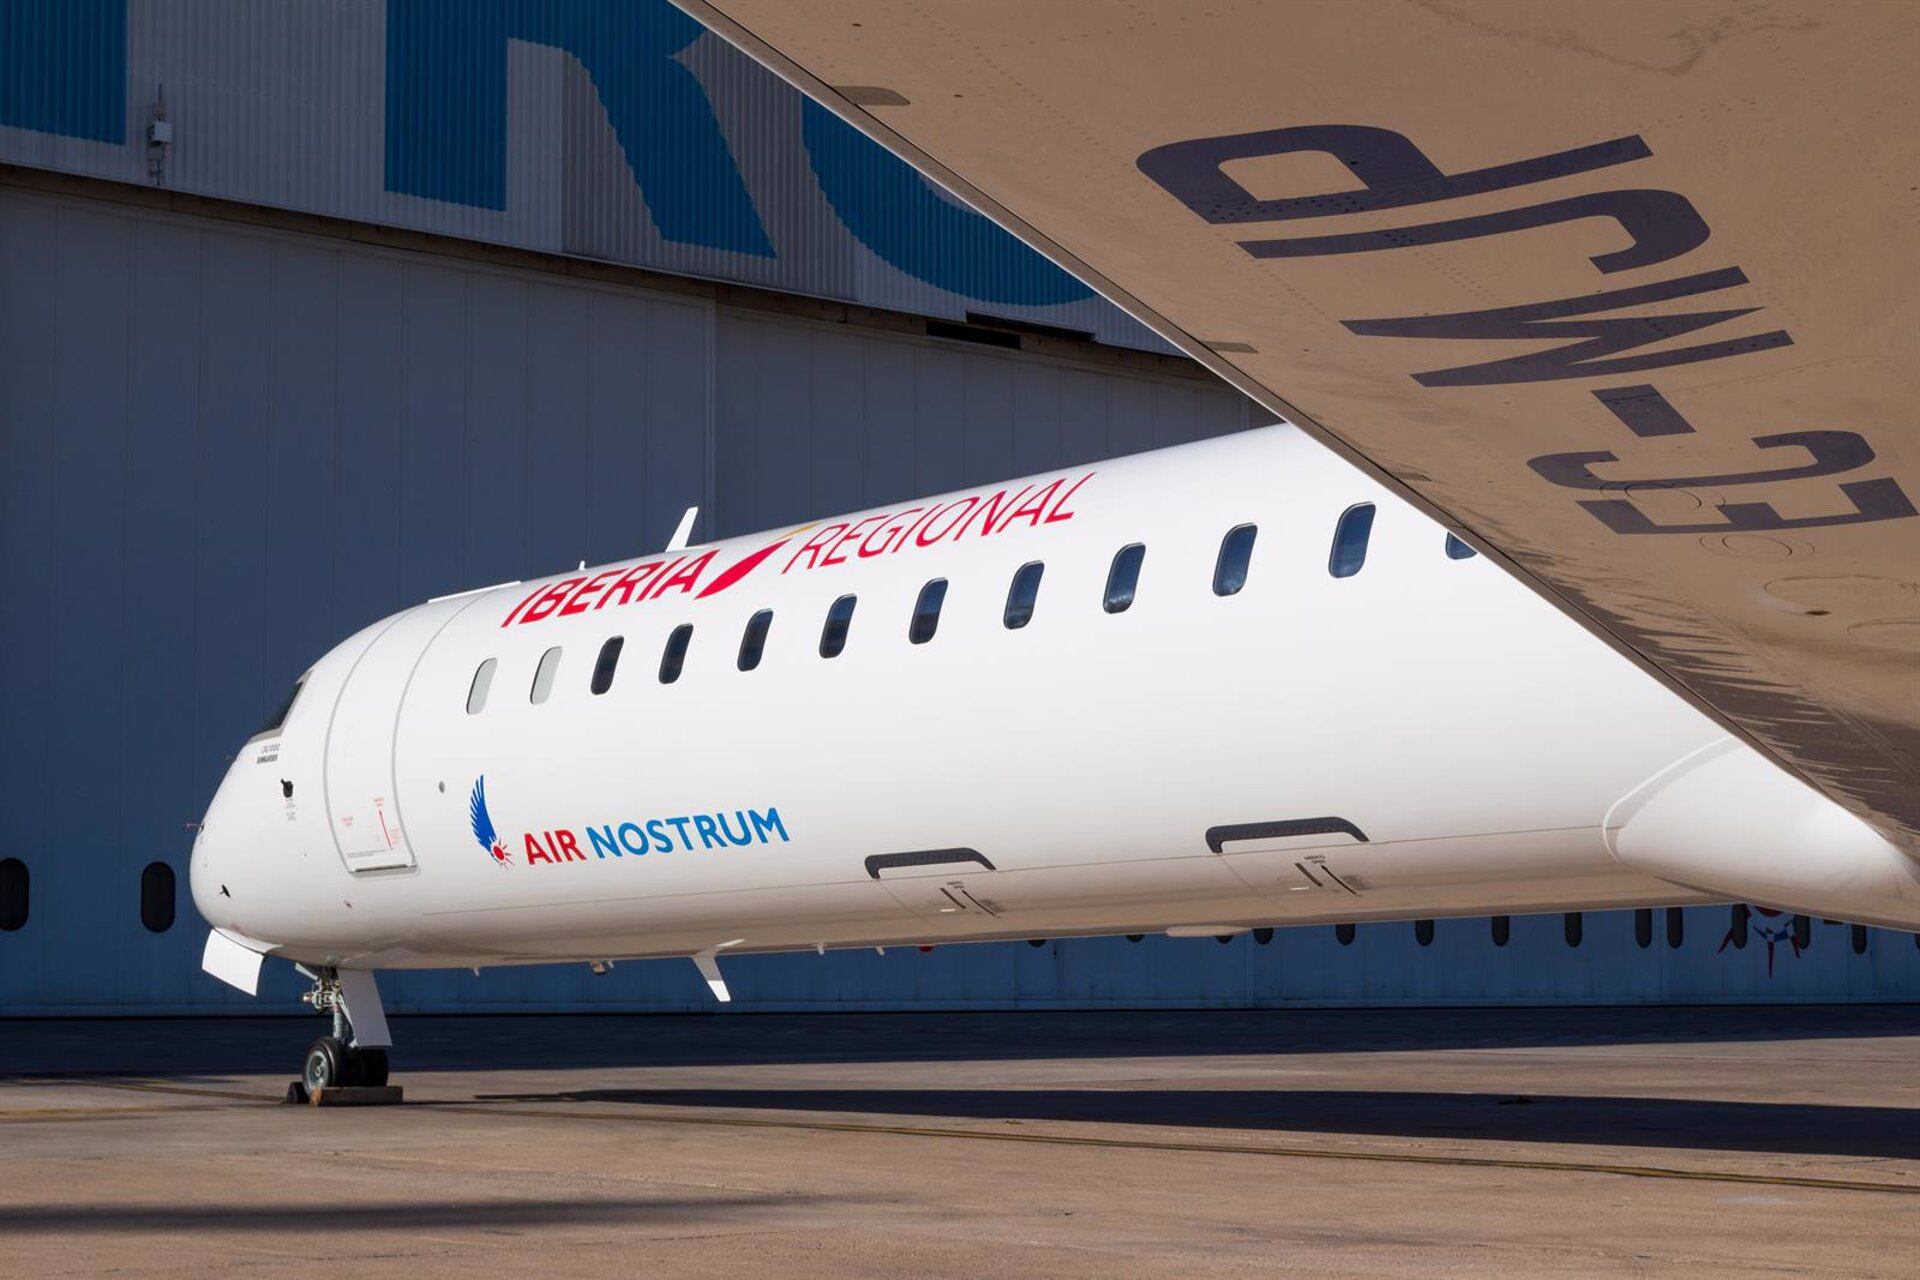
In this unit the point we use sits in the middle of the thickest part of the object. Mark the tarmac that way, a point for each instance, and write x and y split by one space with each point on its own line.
1561 1142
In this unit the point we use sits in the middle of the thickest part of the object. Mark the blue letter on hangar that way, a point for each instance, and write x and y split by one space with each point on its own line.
447 107
447 140
63 67
63 70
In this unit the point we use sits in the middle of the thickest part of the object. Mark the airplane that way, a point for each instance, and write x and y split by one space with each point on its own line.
1215 688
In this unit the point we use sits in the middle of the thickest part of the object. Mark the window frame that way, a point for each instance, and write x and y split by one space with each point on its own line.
754 634
844 622
1223 585
1032 601
1109 601
673 654
926 608
606 665
1361 515
278 722
480 688
546 674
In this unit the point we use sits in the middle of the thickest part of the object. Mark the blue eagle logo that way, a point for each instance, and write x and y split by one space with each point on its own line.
483 824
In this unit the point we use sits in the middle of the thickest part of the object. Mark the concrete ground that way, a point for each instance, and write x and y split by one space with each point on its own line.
1429 1142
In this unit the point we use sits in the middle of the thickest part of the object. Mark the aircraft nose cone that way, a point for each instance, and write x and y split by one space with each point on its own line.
210 897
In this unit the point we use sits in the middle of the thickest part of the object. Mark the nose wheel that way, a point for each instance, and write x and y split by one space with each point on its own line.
348 1066
332 1064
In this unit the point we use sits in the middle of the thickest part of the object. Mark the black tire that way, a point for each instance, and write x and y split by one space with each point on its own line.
368 1067
327 1065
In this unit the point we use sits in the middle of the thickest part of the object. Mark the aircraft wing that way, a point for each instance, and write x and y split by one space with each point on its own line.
1627 292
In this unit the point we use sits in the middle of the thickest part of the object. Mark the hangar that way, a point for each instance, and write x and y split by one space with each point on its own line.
311 312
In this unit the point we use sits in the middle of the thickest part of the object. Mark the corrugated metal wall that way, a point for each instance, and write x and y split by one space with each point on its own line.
222 449
608 129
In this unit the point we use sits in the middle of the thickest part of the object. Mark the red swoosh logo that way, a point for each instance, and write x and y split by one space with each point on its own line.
740 569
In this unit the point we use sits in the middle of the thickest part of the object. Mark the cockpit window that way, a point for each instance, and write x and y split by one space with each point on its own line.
279 717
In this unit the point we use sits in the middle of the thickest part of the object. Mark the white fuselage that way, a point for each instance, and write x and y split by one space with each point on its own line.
1424 737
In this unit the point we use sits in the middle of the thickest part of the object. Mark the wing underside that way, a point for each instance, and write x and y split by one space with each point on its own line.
1627 293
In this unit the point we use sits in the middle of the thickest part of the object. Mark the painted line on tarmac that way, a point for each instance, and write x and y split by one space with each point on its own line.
20 1115
1658 1172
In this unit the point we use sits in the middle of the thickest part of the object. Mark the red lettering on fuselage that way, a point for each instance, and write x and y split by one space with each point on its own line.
880 534
813 546
834 554
740 569
632 580
895 528
1060 511
577 602
989 512
555 596
682 574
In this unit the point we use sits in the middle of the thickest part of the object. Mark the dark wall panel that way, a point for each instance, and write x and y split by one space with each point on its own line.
221 451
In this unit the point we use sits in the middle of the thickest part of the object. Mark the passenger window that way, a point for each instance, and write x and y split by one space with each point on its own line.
482 681
279 717
1124 577
833 636
926 611
156 897
1230 570
543 676
1458 550
609 659
13 894
675 656
1350 541
754 642
1022 594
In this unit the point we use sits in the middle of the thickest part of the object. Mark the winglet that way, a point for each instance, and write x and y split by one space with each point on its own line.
683 536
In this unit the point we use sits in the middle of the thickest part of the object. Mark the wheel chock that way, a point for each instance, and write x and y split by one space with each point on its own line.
385 1095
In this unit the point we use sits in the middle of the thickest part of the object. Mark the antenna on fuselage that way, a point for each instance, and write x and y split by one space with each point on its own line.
683 536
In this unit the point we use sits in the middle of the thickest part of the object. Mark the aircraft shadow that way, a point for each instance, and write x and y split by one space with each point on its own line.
1677 1123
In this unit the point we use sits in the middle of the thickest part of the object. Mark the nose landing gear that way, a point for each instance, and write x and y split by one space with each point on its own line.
350 1064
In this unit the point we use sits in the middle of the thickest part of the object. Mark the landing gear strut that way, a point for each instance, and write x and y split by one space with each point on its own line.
344 1059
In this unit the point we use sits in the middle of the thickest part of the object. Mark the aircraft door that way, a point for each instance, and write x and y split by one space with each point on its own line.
363 807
